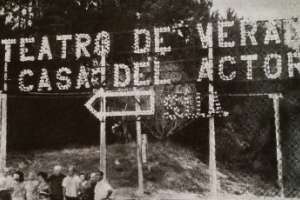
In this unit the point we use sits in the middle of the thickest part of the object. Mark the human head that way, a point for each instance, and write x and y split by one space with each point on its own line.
71 170
93 177
99 175
57 169
18 176
31 175
83 177
42 176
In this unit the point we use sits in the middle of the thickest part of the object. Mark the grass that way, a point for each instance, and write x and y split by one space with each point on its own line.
170 167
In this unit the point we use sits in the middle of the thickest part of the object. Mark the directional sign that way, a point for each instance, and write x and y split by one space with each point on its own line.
101 94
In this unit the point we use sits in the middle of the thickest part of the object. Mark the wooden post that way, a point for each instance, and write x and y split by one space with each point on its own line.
3 138
144 148
139 149
5 76
212 134
103 135
212 147
103 153
3 120
276 105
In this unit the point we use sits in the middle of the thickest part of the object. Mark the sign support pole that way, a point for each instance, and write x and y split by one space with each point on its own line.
103 136
212 134
102 115
3 138
3 121
212 146
276 106
139 149
103 120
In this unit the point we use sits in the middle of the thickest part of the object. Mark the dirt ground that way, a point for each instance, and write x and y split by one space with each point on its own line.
172 171
131 193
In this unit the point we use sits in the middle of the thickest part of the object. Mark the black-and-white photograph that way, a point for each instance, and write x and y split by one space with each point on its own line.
149 99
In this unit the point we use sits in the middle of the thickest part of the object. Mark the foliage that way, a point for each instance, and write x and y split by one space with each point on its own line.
118 17
56 16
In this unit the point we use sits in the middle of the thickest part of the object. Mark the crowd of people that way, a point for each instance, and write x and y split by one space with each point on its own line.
57 186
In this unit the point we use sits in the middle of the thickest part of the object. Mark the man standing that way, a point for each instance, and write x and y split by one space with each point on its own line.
55 182
103 189
71 185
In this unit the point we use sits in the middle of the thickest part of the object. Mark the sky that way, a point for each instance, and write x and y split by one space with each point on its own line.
260 9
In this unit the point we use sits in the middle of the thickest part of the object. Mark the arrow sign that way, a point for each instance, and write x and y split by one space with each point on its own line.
117 94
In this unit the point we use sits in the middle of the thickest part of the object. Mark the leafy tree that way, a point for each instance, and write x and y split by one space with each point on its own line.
119 18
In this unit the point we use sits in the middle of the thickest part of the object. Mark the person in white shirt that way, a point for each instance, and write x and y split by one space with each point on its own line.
19 191
71 185
31 186
103 189
5 188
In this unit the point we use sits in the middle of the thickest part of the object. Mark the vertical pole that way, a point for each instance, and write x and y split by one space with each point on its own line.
3 139
276 106
103 134
139 148
212 134
3 121
144 148
102 97
212 140
5 76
